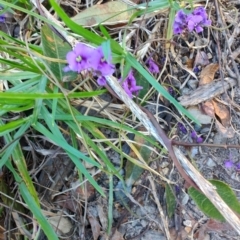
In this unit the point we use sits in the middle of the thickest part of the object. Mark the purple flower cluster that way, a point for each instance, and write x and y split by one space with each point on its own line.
193 135
193 21
85 58
196 138
130 85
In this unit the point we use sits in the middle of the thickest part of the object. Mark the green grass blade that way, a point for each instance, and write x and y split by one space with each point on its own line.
73 153
33 206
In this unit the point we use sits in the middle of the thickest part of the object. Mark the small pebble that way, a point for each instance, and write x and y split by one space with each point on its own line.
192 83
187 223
185 198
165 171
211 163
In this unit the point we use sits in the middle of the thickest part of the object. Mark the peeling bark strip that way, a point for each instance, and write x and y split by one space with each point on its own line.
206 92
196 179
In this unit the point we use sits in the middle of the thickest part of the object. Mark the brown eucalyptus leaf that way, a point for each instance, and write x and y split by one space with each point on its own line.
95 226
60 224
117 236
222 112
201 59
208 73
208 108
109 13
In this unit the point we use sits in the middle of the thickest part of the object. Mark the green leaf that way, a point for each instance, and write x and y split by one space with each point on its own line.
32 205
55 47
227 194
205 204
171 200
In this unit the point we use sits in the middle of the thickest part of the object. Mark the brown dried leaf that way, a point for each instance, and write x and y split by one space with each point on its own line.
69 203
85 191
207 74
222 112
212 225
117 236
95 226
189 63
60 224
201 59
102 216
227 132
208 108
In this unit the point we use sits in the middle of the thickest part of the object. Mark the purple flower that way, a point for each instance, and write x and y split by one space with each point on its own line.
182 128
101 81
200 11
2 16
193 135
237 166
78 59
152 66
193 22
228 164
180 17
103 66
130 85
199 140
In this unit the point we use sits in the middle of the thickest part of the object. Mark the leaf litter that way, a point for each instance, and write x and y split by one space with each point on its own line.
140 218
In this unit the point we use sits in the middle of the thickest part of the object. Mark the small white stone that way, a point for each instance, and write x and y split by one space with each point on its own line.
211 163
187 223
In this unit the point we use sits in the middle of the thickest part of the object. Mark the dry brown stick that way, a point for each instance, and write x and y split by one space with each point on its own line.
164 219
186 144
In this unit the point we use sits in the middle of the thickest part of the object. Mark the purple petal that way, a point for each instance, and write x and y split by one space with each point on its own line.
100 64
198 29
130 85
153 67
193 135
71 59
101 81
180 16
228 164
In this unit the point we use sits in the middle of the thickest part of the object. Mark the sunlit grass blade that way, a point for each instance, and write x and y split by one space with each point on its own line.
11 126
19 96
